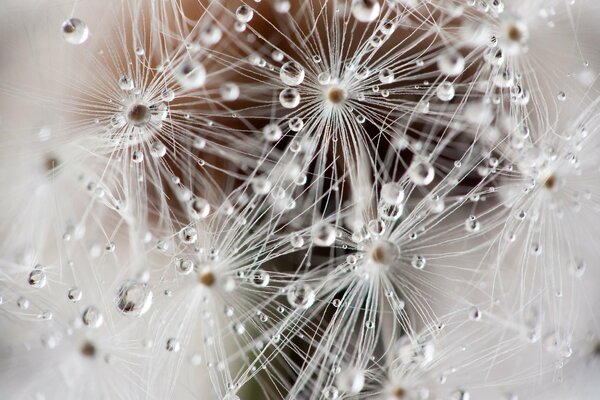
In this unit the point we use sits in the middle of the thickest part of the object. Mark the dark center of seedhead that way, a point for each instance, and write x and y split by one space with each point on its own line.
550 182
139 115
207 278
51 163
336 95
515 34
88 350
399 392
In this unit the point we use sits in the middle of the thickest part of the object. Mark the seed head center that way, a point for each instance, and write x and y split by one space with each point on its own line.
336 94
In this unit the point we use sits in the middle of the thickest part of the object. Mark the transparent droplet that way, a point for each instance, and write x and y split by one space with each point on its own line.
126 83
229 91
134 298
421 172
323 234
386 76
173 345
445 91
301 295
37 278
137 156
450 62
392 193
291 73
272 132
158 149
74 294
330 393
244 14
199 208
92 317
289 98
366 10
210 35
350 381
418 262
260 278
75 31
296 240
296 124
190 74
184 266
188 235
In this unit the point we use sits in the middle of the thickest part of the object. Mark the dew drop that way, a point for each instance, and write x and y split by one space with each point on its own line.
134 298
75 31
291 73
301 296
92 317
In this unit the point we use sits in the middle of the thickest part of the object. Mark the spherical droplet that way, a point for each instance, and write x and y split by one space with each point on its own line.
351 381
158 149
323 234
75 31
188 235
392 193
37 278
291 73
190 74
289 98
418 262
173 345
450 62
272 132
296 240
199 208
386 76
229 91
260 278
421 172
74 294
301 295
126 83
445 91
244 14
366 10
134 298
92 317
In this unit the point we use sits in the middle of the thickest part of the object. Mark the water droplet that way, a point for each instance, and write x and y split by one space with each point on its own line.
260 278
244 14
392 193
366 10
37 278
126 83
445 91
291 73
134 298
190 74
75 31
351 381
418 262
421 172
289 98
323 234
173 345
272 132
92 317
188 235
74 294
301 295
